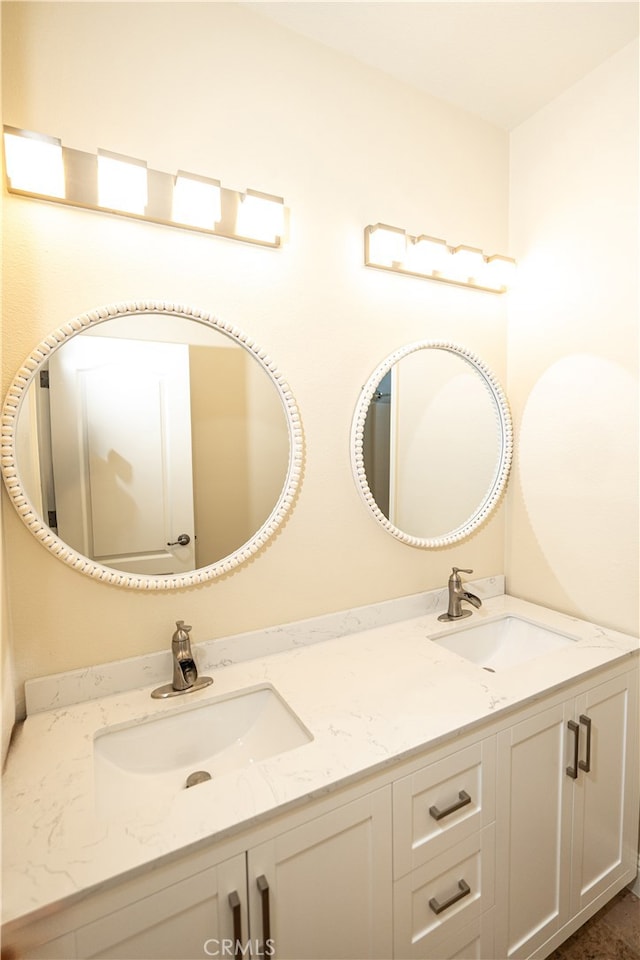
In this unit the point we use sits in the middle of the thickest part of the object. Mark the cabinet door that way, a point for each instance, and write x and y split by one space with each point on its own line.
191 918
533 842
62 948
323 890
605 792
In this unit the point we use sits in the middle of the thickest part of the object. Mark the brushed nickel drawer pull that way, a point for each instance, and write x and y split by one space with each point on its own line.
464 891
462 801
572 771
263 887
234 903
586 764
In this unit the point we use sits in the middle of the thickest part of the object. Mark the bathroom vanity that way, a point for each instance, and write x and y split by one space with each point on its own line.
436 807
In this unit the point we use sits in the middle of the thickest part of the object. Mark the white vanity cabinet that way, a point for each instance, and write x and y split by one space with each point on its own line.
567 809
320 889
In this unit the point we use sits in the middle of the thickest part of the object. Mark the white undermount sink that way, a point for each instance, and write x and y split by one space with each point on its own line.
499 644
155 757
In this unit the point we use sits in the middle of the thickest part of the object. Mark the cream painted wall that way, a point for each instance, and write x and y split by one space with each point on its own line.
573 350
7 695
7 679
267 444
240 446
7 692
217 90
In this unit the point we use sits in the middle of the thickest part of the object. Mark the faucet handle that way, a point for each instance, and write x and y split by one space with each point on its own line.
457 570
180 641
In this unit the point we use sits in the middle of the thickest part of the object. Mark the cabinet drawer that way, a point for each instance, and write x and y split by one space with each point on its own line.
434 902
442 804
473 941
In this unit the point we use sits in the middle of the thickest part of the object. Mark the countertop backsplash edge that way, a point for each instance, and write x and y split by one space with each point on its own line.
91 683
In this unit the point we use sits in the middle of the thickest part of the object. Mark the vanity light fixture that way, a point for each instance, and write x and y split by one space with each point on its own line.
196 200
430 258
122 183
33 162
467 264
426 255
500 272
386 245
41 167
260 216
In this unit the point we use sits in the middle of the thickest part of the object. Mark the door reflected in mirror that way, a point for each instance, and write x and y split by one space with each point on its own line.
431 443
154 444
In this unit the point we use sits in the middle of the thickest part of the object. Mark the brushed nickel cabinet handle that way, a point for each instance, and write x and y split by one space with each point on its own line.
234 903
572 771
263 887
463 891
462 801
586 764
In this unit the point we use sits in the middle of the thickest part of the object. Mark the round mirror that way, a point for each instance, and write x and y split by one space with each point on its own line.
431 443
151 445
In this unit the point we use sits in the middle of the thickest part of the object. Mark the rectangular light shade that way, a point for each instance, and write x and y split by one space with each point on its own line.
122 183
34 162
467 265
500 273
260 216
387 245
427 255
196 201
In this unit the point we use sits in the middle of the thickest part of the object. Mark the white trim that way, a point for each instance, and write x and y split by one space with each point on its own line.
635 886
212 655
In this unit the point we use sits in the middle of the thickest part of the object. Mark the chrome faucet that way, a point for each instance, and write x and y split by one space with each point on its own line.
457 594
185 672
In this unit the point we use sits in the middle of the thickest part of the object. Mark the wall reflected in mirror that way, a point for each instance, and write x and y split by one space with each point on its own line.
146 429
433 436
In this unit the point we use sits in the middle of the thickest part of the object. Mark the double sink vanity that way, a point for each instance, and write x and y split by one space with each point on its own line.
411 789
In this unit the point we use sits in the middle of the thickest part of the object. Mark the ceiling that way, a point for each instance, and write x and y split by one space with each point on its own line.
502 61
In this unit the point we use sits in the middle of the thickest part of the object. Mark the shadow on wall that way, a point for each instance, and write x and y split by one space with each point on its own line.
579 476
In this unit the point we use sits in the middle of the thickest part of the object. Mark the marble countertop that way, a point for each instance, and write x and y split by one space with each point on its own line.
369 699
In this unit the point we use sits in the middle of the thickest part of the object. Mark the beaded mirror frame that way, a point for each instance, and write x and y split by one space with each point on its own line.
494 493
85 565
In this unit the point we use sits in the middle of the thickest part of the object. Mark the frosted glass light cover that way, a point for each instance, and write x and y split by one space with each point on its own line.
467 264
387 245
122 183
260 217
427 256
34 163
500 273
196 201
